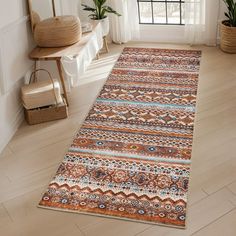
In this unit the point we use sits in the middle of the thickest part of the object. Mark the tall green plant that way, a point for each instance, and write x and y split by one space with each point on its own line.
99 10
231 14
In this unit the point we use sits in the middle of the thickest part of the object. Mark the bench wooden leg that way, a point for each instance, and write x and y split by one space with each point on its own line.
105 43
62 80
34 79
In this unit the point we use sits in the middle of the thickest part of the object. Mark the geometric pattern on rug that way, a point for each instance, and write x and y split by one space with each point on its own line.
131 158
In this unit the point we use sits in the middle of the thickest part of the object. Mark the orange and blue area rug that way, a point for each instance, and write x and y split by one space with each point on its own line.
131 158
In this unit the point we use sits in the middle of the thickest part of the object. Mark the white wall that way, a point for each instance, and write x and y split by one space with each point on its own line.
44 8
15 44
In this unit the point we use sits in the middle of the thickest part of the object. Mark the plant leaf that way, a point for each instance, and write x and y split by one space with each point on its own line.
88 8
110 10
100 10
103 13
94 16
234 16
231 14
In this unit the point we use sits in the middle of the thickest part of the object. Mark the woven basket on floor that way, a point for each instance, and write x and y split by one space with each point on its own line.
47 113
58 31
228 38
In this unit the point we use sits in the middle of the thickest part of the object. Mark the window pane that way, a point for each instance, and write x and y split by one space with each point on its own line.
173 12
145 9
159 12
183 14
162 11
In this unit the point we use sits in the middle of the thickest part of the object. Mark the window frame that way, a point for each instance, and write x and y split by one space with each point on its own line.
180 2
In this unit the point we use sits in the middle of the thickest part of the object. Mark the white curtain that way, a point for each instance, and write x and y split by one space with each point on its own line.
201 21
125 27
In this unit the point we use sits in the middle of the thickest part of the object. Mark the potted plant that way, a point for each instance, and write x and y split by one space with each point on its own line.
228 28
99 13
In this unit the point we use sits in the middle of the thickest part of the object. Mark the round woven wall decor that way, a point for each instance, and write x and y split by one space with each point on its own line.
58 31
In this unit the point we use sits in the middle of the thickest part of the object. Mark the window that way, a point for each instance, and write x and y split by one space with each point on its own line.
165 12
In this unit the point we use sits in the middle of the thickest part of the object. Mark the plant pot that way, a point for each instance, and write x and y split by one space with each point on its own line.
105 26
228 38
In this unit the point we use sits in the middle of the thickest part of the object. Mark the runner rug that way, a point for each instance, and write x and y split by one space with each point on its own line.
131 157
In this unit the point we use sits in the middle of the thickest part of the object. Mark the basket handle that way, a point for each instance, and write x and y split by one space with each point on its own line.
49 75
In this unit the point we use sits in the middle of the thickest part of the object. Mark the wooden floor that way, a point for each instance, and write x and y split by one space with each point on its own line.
30 161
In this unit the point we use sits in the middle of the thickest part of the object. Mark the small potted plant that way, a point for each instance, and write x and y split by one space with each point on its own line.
228 28
99 13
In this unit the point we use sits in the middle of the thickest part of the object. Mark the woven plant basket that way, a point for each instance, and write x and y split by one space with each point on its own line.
58 31
228 38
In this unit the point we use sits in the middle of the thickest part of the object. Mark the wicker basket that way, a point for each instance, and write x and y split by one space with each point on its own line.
41 93
228 38
58 31
47 113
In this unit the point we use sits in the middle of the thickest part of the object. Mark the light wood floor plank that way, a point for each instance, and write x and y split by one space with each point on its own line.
26 184
199 215
223 226
23 163
115 227
4 216
232 187
6 152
